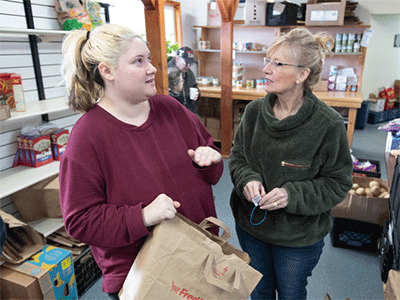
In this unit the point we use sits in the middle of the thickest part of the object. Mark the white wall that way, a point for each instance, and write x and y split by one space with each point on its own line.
382 63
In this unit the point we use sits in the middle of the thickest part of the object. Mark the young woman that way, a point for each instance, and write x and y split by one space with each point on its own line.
290 152
134 158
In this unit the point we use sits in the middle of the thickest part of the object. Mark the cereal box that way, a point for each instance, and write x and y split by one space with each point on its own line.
18 91
6 90
59 141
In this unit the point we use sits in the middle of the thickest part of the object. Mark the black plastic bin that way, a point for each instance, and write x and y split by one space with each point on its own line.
87 272
355 235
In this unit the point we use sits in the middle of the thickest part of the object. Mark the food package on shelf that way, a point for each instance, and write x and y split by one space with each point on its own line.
72 15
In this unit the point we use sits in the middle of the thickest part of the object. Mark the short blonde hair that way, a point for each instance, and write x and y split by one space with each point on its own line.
83 52
309 50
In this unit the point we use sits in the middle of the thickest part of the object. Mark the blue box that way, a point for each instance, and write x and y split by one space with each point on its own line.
383 116
60 267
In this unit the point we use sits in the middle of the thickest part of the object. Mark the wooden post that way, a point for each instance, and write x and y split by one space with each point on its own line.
228 10
155 33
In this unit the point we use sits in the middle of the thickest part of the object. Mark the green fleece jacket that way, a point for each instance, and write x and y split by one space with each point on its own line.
307 154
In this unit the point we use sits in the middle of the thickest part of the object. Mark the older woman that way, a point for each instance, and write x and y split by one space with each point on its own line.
291 157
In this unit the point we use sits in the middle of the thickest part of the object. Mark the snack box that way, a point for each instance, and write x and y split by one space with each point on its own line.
59 141
61 269
49 274
36 151
6 90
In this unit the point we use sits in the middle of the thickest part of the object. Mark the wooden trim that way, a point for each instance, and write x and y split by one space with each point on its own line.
178 21
155 33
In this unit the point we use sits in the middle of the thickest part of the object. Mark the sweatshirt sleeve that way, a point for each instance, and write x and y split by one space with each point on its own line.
330 186
87 215
240 170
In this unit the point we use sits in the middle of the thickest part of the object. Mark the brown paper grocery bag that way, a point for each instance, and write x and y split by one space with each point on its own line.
181 259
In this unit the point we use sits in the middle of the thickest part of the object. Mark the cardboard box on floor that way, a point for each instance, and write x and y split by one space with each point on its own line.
361 208
22 240
48 275
39 201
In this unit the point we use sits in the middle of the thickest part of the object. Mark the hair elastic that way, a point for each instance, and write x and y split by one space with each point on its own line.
87 35
251 217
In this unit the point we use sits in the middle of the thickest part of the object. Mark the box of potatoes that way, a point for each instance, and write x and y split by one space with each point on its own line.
367 201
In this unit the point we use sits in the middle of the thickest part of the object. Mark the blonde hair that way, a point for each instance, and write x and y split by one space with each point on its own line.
83 52
309 50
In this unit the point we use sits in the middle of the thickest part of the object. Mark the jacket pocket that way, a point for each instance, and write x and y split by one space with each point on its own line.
291 165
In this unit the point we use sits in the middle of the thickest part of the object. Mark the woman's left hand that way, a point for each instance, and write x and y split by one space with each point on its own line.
275 199
205 156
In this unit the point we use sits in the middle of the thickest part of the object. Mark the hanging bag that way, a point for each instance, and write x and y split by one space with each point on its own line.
181 259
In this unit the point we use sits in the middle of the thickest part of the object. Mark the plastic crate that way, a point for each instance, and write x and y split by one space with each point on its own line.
87 272
355 235
361 173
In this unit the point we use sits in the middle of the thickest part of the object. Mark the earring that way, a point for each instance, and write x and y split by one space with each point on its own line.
297 82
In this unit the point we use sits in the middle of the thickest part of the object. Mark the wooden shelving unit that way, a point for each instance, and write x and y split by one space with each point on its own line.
351 101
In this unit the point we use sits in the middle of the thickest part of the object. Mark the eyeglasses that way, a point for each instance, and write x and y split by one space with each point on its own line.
275 63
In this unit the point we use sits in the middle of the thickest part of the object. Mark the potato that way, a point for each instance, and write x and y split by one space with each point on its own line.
352 192
376 190
383 190
382 195
387 196
369 194
355 186
373 183
360 191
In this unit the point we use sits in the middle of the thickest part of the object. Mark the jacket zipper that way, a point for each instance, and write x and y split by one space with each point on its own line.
285 164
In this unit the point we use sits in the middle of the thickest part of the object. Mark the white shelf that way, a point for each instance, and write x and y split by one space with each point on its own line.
32 31
18 178
47 225
39 108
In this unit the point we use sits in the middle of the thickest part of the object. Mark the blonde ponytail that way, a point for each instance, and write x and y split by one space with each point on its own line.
83 52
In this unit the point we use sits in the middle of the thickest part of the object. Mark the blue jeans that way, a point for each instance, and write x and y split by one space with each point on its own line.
285 269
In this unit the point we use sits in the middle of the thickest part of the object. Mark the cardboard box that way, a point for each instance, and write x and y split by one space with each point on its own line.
361 208
325 14
48 275
22 240
377 105
39 201
238 111
18 285
396 87
59 141
254 12
6 90
4 112
213 14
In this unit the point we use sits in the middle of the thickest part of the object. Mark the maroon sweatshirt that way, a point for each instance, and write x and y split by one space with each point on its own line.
110 170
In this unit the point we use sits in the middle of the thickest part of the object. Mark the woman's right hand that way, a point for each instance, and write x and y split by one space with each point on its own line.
253 189
161 208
